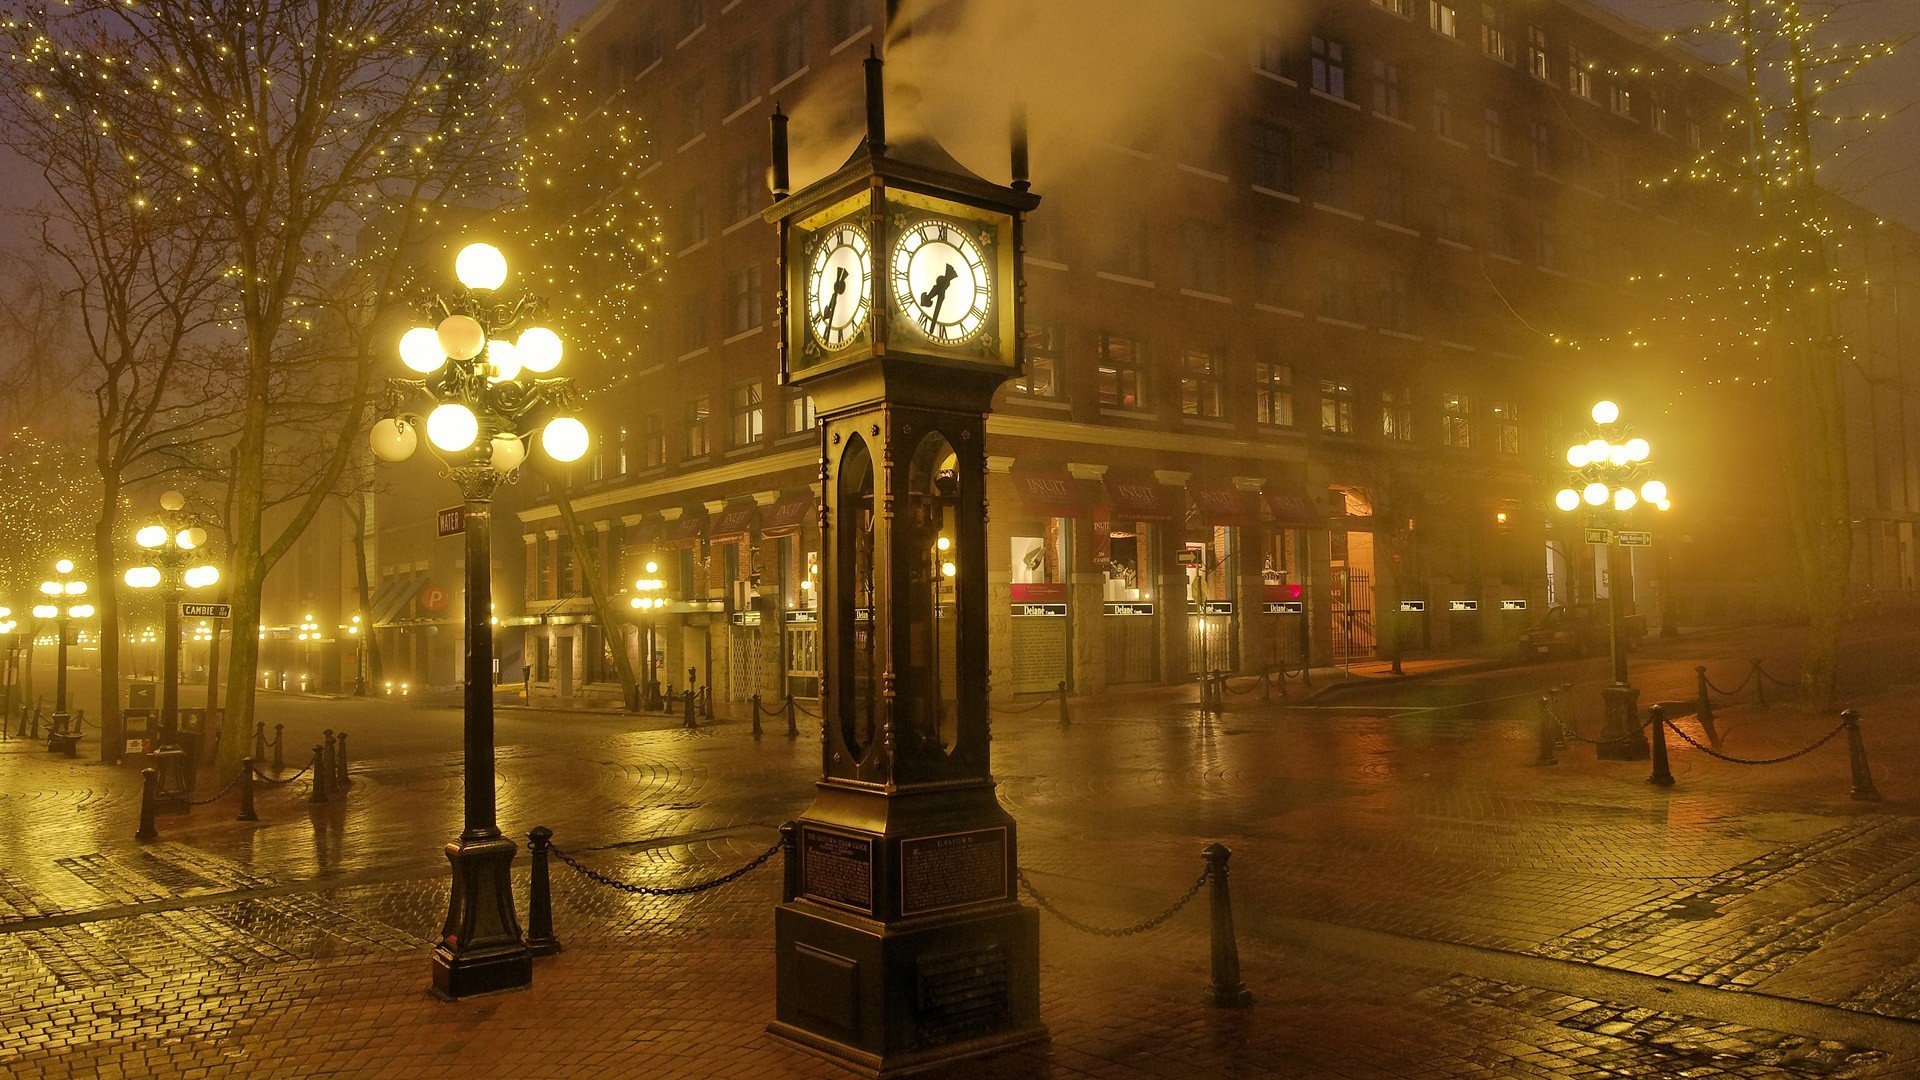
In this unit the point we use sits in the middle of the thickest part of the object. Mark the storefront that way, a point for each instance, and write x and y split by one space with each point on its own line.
1285 585
1048 506
790 543
1210 555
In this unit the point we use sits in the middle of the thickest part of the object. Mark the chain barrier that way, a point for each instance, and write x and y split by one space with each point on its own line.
1742 685
1822 741
804 711
777 710
1785 684
1029 707
1553 710
258 775
1141 927
665 890
215 797
1258 680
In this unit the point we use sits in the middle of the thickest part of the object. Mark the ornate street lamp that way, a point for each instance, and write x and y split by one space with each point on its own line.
63 604
652 598
1609 482
479 407
9 663
359 656
172 543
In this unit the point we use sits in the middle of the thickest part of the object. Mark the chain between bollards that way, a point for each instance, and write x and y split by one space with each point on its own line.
666 890
540 939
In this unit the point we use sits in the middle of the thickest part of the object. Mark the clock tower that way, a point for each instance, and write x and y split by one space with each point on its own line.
901 942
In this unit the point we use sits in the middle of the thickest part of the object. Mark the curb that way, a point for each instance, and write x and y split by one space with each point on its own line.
1390 680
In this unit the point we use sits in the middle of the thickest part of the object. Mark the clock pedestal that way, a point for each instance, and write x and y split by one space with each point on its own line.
901 943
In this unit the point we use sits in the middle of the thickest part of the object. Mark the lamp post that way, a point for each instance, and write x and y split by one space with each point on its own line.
359 656
171 543
9 665
479 412
63 592
1609 480
652 598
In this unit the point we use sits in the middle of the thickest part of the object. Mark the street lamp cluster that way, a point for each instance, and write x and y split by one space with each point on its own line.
171 543
63 604
652 597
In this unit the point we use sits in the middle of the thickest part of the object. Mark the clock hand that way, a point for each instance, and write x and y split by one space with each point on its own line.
937 296
839 286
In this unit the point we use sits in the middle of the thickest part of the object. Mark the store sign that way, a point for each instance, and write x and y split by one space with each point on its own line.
206 611
1039 611
1216 607
1189 556
1513 605
1129 607
1038 592
451 521
1629 538
435 599
1284 607
1463 605
1413 605
746 618
1599 536
803 617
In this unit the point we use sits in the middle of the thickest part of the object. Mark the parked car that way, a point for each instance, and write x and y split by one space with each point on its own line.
1576 630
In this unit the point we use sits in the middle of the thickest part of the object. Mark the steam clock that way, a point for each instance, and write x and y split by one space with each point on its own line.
901 942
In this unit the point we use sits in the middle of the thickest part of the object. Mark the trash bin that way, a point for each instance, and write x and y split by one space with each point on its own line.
141 695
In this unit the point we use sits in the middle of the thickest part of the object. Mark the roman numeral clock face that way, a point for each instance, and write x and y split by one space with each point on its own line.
941 282
838 297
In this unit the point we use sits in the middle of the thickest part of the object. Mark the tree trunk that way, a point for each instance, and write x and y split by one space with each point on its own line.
107 599
369 658
247 569
602 606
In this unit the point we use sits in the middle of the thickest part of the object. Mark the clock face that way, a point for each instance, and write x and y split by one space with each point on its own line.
940 281
838 296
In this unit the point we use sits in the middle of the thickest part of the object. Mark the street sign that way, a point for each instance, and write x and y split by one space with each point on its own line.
1631 538
1039 611
1463 605
1216 607
1513 605
206 611
434 599
1129 607
1188 557
1413 605
1285 607
451 521
1599 536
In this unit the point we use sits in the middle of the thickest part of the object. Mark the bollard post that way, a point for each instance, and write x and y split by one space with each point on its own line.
1703 706
1545 757
540 939
1227 991
756 713
36 723
246 791
148 779
1662 775
279 740
1759 686
1559 728
687 720
789 861
326 762
706 701
1065 720
260 741
1863 788
793 728
340 777
318 792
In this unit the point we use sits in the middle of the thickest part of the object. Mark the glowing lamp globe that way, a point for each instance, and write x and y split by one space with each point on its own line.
420 350
539 348
199 577
1624 499
50 588
1595 494
143 577
45 611
393 440
191 538
76 588
64 566
152 536
1618 455
1605 412
452 427
81 611
480 266
1654 491
461 337
1577 456
652 567
172 501
564 439
1567 499
1638 449
508 452
1597 451
504 359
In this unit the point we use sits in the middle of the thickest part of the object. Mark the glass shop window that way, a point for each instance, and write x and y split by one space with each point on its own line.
1125 559
1208 557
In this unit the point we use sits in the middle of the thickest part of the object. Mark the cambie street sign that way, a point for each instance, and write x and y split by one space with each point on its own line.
451 521
206 611
1599 536
1631 538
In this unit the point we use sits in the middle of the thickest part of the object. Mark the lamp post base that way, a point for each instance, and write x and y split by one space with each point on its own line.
481 949
1621 737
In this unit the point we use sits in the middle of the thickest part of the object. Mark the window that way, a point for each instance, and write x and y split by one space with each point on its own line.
1538 64
1456 421
800 414
1200 245
649 45
743 77
1443 18
1389 96
1493 34
693 16
621 459
1274 280
1332 176
1270 52
653 440
1336 407
1396 301
1396 414
1272 157
1273 394
1622 99
1122 373
747 414
1443 114
1540 134
693 218
746 180
744 300
699 439
849 18
1127 246
1199 385
1546 244
693 109
1403 8
1446 216
693 320
1042 378
1579 74
790 43
1506 426
1660 116
1496 133
1337 296
1330 67
1393 194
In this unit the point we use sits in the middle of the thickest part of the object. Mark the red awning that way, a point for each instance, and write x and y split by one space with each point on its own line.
731 524
788 515
1291 505
683 532
1224 505
1139 500
1049 493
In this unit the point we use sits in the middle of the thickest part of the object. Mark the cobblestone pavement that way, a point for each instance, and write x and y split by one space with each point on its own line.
1415 897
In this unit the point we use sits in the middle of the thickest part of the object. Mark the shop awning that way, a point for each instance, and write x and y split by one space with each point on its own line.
1224 505
731 524
788 515
1049 493
395 594
1140 500
683 532
1291 505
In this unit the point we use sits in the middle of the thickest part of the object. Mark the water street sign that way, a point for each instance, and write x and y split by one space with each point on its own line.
1284 607
1634 538
1039 611
1599 536
1513 605
206 611
1129 607
1413 605
1463 605
803 616
452 521
1216 607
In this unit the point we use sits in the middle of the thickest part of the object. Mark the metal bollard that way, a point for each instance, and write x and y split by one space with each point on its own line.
1662 775
1863 788
340 777
147 831
279 740
540 939
326 763
1703 706
1545 757
793 727
1759 686
246 791
260 741
790 861
36 722
1227 990
1065 720
756 713
318 792
706 702
687 718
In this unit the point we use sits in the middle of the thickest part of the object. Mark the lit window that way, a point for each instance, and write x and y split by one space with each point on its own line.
800 414
1456 421
1043 364
1443 18
1396 414
1122 373
1199 385
1506 426
1336 407
1273 394
699 439
748 414
1493 34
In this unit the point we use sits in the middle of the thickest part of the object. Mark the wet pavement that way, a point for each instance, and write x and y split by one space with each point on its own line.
1415 897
